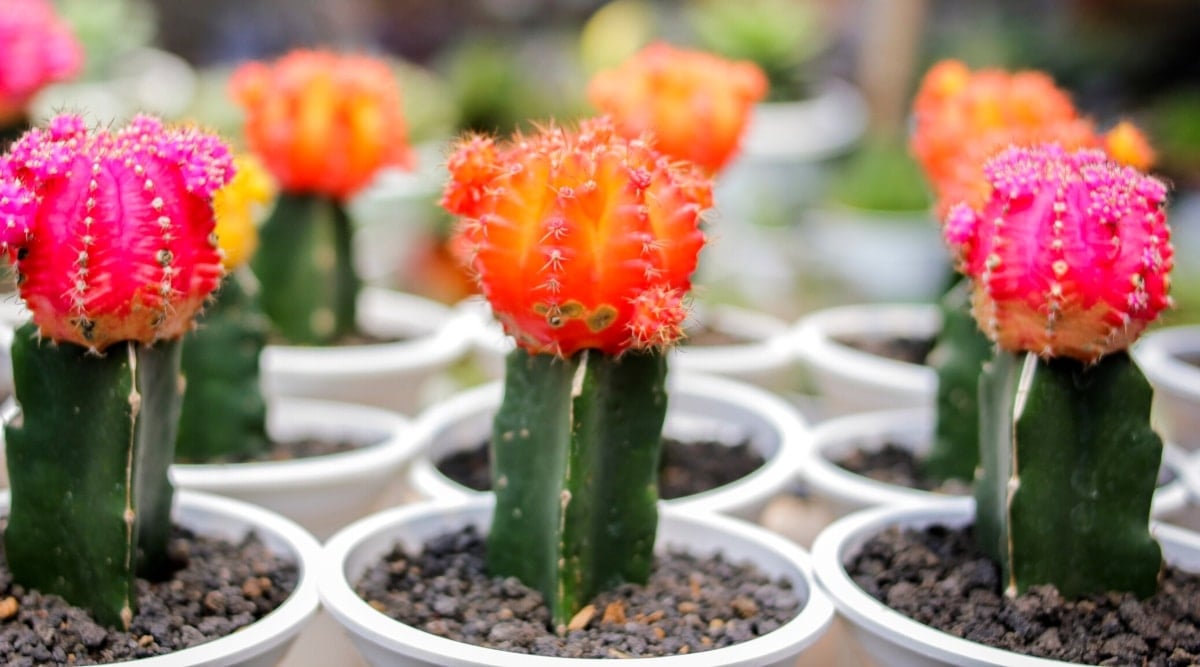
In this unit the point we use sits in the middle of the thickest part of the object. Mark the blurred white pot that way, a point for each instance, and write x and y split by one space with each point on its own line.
1161 356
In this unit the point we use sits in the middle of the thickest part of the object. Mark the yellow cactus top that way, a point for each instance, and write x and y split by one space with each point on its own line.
238 207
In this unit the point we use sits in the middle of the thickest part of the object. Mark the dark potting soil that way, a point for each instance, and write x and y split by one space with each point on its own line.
909 350
938 577
690 604
687 468
301 449
222 587
897 465
707 336
1193 359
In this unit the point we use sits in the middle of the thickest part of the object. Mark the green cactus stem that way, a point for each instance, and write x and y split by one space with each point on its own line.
224 415
306 269
576 445
957 357
1069 467
87 461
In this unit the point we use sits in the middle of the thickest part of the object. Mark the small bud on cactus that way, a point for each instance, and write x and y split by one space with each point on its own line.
695 103
1071 254
324 123
112 232
36 48
579 239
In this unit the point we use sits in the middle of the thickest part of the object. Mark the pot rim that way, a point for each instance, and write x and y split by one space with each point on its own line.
314 415
834 544
354 613
815 346
235 517
1157 354
776 472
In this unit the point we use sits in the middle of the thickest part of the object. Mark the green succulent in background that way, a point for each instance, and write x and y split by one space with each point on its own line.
880 176
1173 121
779 35
107 29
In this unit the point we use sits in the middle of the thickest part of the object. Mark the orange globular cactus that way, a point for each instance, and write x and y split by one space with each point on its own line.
962 118
112 232
1070 256
696 104
579 238
323 123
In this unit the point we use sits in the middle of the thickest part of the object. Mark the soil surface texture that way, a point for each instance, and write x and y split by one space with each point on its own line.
909 350
938 577
690 604
223 587
687 468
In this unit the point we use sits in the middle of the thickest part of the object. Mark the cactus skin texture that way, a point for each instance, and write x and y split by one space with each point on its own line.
1069 470
112 237
584 243
958 357
1070 260
88 461
306 269
224 415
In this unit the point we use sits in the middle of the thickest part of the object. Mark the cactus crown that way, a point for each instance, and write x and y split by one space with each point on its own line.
112 232
695 103
36 48
579 239
963 118
324 123
1071 254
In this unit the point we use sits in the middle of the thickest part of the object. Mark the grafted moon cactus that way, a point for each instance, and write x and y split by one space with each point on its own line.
112 238
324 124
1070 261
696 104
584 243
36 48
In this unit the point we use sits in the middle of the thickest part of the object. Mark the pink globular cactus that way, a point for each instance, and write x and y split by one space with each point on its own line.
111 233
1071 254
36 48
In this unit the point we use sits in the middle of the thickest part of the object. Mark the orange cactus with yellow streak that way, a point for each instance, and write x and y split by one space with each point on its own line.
323 123
964 117
696 104
579 238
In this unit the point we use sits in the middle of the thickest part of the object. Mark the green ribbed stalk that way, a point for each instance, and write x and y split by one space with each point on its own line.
87 461
306 269
576 446
224 414
1069 467
958 358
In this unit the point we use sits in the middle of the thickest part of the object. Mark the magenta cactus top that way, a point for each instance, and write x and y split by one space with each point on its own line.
1071 254
36 48
112 232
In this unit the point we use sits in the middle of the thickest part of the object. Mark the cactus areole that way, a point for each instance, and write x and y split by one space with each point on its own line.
584 243
1070 260
111 235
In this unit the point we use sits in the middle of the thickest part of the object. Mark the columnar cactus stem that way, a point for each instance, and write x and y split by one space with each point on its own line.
306 268
112 239
88 470
1070 467
576 467
584 243
1070 260
958 357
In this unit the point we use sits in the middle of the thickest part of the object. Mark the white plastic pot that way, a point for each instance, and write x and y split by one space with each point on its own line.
836 492
1176 382
264 642
321 493
891 638
383 641
851 380
699 407
393 375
